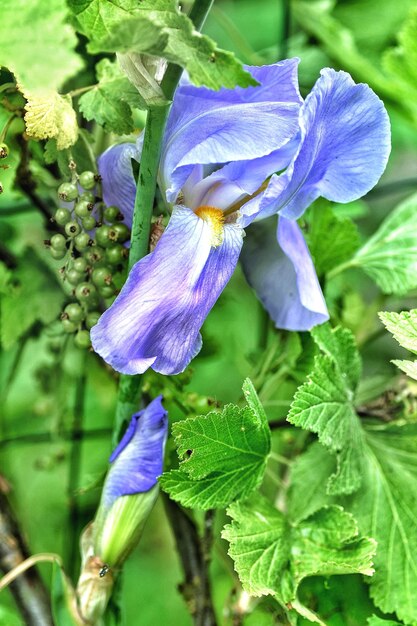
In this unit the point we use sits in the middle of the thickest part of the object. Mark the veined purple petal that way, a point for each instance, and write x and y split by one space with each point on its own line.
283 275
118 182
238 179
344 148
156 318
138 459
207 127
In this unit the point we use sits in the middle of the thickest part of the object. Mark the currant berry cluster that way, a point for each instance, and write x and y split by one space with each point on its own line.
91 243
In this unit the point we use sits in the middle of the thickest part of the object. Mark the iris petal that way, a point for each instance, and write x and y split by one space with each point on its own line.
283 275
118 182
344 148
156 319
207 127
138 459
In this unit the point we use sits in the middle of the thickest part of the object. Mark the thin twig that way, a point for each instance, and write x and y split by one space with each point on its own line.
28 589
74 468
195 559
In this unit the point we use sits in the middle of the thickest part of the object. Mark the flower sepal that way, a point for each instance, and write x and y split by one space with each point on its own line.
116 531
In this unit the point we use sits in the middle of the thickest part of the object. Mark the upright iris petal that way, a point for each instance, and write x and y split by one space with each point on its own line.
343 150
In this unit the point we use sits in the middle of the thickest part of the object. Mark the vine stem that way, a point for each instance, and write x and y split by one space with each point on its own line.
129 386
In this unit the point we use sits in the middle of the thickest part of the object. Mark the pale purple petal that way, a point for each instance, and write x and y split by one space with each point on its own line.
156 319
283 275
137 461
118 182
344 148
207 127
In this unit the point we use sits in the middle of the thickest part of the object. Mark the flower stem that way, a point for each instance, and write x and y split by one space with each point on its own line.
129 386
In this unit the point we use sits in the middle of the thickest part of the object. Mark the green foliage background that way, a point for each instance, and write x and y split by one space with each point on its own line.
368 466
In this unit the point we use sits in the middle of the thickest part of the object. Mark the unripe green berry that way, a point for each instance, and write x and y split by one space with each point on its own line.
62 216
75 312
107 290
72 228
92 319
57 254
82 339
4 150
102 236
74 277
87 180
87 196
102 276
85 291
88 222
79 265
58 242
68 192
94 255
69 326
116 254
112 214
82 241
123 233
83 208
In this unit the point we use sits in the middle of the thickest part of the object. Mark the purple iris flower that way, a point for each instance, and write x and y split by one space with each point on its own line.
137 461
221 154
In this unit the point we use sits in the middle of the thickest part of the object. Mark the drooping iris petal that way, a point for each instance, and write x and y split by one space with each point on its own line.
283 275
138 459
207 127
118 182
344 148
156 319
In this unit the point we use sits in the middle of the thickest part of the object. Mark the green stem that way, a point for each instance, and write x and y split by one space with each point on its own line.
341 268
130 386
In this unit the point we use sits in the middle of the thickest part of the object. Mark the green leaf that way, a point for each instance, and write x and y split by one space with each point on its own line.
324 405
223 456
158 28
384 506
110 102
390 255
34 296
403 326
97 18
332 240
273 556
401 61
339 344
38 47
377 621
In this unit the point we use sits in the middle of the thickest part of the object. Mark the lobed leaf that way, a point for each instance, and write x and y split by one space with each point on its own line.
39 48
390 255
273 556
158 28
110 102
223 456
384 506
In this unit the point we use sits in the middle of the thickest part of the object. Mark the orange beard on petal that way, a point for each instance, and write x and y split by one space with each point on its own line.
215 219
